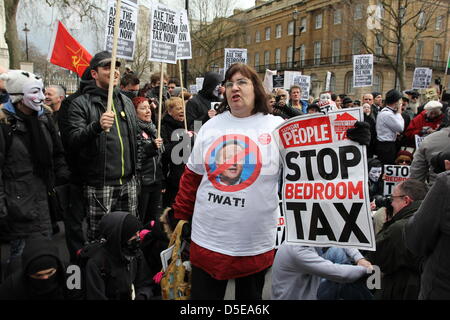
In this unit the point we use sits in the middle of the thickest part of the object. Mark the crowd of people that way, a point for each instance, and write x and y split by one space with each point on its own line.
119 182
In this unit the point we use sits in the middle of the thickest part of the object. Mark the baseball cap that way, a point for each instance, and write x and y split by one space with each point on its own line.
102 59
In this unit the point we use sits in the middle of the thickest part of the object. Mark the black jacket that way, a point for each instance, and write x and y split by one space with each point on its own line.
149 166
173 171
63 124
400 267
109 273
197 108
428 234
25 193
105 158
17 286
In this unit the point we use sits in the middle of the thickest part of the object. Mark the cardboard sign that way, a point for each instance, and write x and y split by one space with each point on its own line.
233 56
184 50
325 181
328 81
362 70
193 89
199 83
422 78
305 83
393 175
289 78
164 30
278 81
127 28
418 140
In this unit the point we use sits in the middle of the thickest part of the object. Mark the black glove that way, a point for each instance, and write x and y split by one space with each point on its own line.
3 209
360 133
172 221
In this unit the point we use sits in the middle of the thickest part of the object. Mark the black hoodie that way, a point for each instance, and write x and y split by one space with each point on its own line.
17 286
197 108
110 273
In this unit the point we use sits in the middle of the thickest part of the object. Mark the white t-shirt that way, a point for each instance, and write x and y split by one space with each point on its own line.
236 207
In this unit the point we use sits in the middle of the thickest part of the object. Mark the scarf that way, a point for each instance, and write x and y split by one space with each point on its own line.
37 145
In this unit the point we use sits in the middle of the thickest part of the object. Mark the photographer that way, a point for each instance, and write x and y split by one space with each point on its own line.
427 234
281 108
400 267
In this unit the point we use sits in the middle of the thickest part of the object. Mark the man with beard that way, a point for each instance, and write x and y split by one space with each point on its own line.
106 144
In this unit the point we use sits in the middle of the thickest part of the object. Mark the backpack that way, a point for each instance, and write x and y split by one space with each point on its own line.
83 256
176 281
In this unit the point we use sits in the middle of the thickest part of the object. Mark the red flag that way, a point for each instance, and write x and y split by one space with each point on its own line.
66 52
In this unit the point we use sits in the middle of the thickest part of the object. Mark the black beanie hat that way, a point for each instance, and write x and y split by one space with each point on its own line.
393 96
130 226
41 263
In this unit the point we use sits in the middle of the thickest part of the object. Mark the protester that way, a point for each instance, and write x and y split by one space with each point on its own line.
129 85
108 158
282 97
248 253
41 277
199 107
295 95
347 103
375 168
427 234
153 94
428 121
421 167
389 124
54 95
171 85
148 165
377 103
368 117
400 268
119 264
174 135
413 96
404 157
297 271
313 108
32 163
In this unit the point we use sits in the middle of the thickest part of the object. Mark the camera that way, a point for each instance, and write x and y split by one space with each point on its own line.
215 106
386 202
438 161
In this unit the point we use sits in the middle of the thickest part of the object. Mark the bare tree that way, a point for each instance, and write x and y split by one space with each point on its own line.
209 29
87 10
394 28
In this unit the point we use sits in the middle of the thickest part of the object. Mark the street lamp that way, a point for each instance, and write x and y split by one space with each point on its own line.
26 30
294 16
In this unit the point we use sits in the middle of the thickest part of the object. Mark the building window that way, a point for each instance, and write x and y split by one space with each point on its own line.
257 36
337 16
319 19
266 58
377 82
317 52
278 31
256 60
437 54
332 82
303 24
349 82
289 56
379 44
439 22
358 12
419 52
335 51
356 46
302 54
268 33
278 57
421 20
290 28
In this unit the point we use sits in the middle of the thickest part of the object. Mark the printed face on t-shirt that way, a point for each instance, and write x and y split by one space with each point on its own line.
228 154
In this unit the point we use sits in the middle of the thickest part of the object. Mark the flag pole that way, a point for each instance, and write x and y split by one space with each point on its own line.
161 85
113 57
182 95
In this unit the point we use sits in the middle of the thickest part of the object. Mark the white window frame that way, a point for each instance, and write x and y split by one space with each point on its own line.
317 52
258 36
318 21
337 16
278 31
290 28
